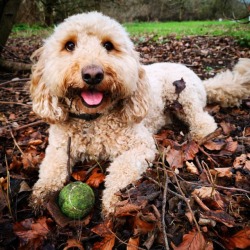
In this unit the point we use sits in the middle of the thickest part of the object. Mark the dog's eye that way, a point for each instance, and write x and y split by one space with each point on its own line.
70 46
108 46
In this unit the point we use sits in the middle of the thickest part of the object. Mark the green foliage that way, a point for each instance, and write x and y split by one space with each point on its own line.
179 29
26 30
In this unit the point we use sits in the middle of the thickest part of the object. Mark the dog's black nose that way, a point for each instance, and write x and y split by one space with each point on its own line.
92 74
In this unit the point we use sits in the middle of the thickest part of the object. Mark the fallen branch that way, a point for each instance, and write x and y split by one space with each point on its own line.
14 80
15 103
14 66
211 136
29 125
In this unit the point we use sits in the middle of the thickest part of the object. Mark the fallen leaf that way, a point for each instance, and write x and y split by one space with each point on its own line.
31 233
219 216
127 209
240 161
145 223
227 127
191 168
133 243
80 175
73 243
35 142
231 145
205 192
180 85
239 240
194 241
214 145
222 172
190 150
106 244
104 230
175 158
96 178
247 131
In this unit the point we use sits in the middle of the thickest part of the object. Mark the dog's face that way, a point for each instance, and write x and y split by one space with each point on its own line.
85 67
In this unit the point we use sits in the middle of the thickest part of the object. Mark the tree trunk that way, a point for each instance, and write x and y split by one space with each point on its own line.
8 11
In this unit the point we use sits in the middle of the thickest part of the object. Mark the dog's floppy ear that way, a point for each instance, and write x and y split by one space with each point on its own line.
136 106
45 104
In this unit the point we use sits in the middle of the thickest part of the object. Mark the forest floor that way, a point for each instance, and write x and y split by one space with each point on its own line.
192 197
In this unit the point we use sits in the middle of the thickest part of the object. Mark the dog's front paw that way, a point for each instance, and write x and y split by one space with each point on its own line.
109 202
41 195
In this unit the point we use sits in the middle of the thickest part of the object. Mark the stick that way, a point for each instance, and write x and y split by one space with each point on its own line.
68 162
164 201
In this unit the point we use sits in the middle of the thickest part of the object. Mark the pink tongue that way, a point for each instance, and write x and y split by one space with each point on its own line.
92 97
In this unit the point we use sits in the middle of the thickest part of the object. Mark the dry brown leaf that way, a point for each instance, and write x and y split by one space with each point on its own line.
194 241
239 240
247 131
128 209
190 150
96 178
175 158
30 233
240 161
35 142
222 172
104 230
205 192
73 243
231 145
80 175
106 244
219 216
191 168
133 243
227 127
145 223
211 145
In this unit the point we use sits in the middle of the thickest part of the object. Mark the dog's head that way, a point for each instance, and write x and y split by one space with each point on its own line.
88 66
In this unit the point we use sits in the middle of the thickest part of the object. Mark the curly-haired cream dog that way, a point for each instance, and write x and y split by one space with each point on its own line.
89 85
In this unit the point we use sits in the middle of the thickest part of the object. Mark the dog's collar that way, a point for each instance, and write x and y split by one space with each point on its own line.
86 117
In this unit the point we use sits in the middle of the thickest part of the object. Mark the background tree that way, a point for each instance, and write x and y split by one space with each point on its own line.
8 12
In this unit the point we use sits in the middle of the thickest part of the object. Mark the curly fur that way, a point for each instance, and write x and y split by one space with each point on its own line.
134 103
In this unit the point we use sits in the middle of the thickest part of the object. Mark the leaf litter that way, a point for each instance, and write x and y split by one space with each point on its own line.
203 188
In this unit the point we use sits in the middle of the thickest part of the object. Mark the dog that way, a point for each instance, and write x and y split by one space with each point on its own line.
89 85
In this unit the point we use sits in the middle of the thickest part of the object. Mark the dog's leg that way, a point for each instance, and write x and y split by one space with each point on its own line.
199 121
52 175
126 169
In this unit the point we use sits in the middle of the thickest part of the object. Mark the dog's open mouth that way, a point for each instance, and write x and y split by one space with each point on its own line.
92 98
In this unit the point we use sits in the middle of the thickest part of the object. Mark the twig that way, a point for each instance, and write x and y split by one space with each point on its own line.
122 241
199 201
8 189
14 80
216 186
161 186
68 162
208 155
211 136
187 202
15 142
15 103
29 125
198 163
21 151
164 201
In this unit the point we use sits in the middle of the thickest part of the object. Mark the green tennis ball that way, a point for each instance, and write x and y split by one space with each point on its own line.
76 200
